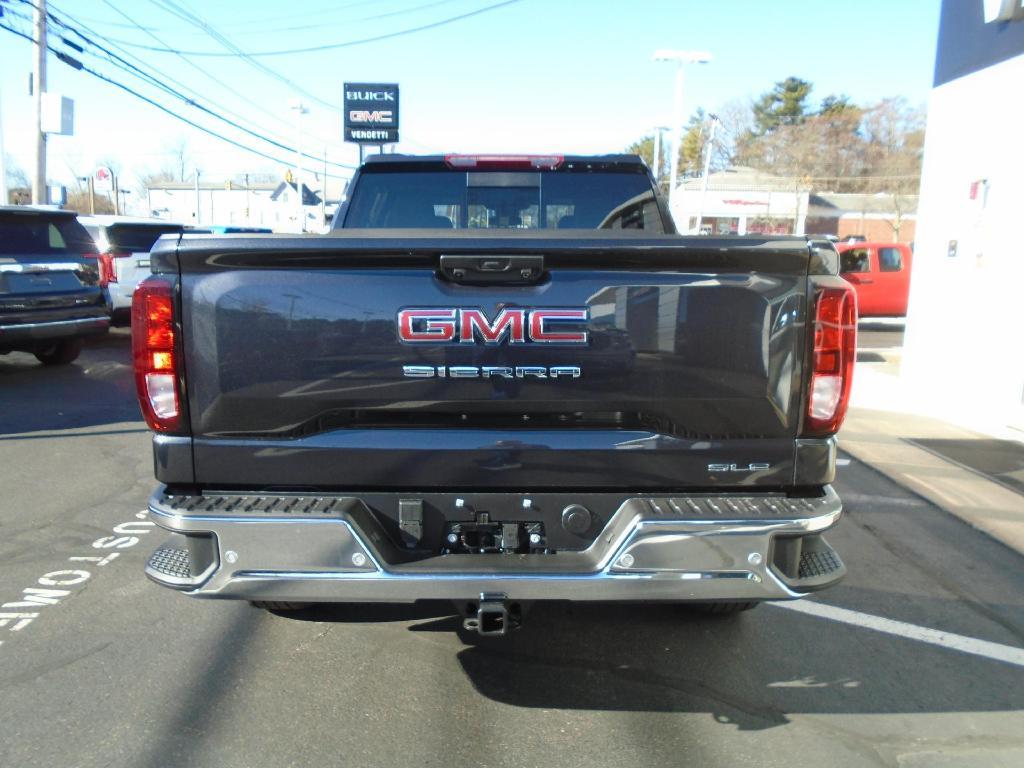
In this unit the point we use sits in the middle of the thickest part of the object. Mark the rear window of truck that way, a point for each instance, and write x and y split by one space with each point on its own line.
41 235
504 200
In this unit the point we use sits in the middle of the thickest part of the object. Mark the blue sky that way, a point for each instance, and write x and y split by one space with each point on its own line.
530 76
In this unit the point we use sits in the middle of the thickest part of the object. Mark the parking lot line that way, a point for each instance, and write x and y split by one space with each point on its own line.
1004 653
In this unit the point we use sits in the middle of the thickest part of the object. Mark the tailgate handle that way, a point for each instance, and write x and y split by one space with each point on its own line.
493 270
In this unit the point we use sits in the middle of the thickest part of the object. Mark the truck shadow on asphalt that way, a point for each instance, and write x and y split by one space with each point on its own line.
95 390
749 671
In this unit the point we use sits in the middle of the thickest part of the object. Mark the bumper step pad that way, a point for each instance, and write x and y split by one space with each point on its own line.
816 564
170 561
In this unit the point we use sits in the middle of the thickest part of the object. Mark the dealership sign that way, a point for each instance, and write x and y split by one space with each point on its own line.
371 113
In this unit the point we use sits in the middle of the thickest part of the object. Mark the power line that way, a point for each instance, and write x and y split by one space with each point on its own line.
332 8
163 75
176 9
375 17
130 68
161 107
200 69
327 47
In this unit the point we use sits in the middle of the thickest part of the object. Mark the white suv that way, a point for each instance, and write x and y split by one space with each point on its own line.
124 243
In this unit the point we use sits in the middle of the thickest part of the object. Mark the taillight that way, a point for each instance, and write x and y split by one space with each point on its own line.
155 357
835 352
504 162
108 274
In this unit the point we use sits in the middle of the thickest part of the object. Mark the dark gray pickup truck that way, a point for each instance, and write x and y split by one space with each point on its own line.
503 380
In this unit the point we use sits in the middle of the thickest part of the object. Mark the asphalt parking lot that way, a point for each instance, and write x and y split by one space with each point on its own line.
916 659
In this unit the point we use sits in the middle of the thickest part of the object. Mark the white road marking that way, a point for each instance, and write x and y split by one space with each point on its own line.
995 651
34 597
886 501
842 462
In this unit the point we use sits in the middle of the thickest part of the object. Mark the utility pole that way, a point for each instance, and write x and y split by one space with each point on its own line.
197 197
300 110
4 198
39 195
323 195
92 195
707 169
117 197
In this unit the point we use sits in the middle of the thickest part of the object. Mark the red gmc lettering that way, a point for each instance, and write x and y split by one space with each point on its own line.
468 326
541 317
509 321
437 325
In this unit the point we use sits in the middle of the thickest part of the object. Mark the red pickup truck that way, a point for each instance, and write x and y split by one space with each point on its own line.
880 273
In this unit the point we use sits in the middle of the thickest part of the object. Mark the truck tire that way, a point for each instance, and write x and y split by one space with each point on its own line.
722 609
277 605
61 353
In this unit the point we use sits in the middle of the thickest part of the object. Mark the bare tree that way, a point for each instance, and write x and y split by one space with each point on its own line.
180 159
174 169
16 176
736 121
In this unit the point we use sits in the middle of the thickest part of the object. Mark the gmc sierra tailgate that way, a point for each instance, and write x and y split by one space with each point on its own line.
561 360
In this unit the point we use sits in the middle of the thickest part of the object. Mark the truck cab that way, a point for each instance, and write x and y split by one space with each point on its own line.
880 273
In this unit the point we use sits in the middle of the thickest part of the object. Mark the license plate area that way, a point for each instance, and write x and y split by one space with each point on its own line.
486 536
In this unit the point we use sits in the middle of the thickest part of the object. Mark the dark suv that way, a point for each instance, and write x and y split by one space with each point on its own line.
50 298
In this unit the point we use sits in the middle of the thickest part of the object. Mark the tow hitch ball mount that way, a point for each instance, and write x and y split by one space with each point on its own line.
493 615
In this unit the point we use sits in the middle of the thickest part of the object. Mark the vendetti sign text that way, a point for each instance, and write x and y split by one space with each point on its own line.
371 113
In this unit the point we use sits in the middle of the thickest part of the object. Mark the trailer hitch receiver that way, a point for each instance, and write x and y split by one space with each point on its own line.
494 616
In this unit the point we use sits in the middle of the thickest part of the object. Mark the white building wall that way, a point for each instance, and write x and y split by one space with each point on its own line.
232 207
964 350
744 205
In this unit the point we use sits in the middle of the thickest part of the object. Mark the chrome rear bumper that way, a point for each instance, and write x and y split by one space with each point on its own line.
316 548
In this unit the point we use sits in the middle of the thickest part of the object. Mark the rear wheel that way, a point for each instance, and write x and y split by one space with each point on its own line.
721 609
277 605
61 353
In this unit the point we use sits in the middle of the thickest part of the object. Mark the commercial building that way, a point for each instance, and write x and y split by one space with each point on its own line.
881 216
745 201
963 349
253 204
742 201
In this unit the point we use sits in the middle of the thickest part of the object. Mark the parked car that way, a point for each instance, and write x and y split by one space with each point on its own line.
450 407
50 298
880 273
124 243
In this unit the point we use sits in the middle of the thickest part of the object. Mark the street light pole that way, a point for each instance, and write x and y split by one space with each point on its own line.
707 170
681 58
677 134
656 156
39 195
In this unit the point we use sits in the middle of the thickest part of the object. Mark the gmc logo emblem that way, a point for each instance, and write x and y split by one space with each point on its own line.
516 326
366 116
